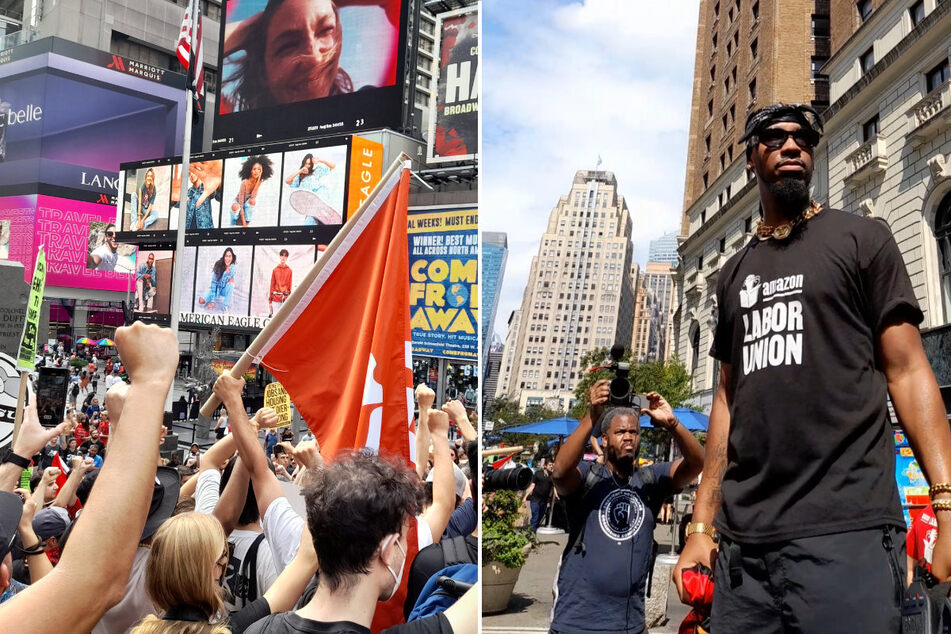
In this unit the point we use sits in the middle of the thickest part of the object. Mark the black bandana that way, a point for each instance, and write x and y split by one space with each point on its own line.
803 114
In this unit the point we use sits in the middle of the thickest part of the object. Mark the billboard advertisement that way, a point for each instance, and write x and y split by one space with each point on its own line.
454 122
293 68
70 231
252 190
153 285
444 282
314 186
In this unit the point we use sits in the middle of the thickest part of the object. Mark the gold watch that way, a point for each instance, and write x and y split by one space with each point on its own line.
700 527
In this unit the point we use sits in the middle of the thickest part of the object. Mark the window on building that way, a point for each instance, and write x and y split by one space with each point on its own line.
754 8
754 48
722 162
722 245
942 234
725 124
706 180
753 90
867 60
870 129
917 13
695 349
713 73
820 25
714 41
716 10
700 263
706 144
710 109
937 76
729 49
748 225
864 8
817 64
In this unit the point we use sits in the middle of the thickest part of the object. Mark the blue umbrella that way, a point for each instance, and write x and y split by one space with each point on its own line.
691 419
553 427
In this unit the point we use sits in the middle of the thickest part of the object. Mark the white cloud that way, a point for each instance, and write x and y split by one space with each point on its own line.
566 83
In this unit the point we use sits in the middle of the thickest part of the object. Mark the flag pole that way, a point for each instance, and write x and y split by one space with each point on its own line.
277 322
183 191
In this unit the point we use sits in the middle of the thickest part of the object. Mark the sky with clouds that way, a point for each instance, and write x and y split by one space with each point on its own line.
564 82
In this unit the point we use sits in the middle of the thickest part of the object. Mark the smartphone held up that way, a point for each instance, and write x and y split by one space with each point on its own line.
51 387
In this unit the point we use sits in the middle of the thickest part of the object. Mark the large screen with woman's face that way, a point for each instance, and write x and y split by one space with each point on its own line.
298 68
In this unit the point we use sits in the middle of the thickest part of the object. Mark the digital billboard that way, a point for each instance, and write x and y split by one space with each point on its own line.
444 282
298 68
454 121
153 285
69 115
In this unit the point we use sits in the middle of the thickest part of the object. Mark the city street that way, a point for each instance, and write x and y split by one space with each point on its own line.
529 610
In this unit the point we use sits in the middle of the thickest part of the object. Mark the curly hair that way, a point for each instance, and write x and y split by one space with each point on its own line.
267 169
351 506
251 86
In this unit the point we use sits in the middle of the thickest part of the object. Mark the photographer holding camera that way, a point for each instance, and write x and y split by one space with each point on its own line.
611 510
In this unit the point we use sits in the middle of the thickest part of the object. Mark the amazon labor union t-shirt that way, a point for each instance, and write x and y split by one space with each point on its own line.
810 449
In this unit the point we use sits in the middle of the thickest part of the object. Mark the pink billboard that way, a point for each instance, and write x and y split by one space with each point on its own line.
65 228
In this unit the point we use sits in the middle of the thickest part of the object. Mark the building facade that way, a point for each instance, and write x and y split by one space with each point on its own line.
579 295
888 133
749 54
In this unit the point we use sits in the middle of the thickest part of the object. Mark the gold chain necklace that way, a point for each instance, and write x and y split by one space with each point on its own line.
784 230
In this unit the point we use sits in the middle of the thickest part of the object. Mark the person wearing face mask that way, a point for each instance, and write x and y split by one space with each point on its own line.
359 512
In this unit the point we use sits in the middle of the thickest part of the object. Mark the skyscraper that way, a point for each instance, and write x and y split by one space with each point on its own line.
749 54
579 294
663 249
495 251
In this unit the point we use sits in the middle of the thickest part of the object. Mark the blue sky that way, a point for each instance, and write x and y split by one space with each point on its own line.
565 82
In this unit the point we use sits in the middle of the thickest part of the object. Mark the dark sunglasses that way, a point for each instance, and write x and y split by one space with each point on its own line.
110 234
775 138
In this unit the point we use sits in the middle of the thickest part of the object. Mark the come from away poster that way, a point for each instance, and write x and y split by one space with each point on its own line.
444 282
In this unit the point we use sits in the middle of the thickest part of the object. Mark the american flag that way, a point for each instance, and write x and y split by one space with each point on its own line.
186 53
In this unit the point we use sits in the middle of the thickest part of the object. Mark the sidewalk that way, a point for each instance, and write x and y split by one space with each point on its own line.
529 610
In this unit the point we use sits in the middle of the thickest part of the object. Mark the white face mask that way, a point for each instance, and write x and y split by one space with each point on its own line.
397 577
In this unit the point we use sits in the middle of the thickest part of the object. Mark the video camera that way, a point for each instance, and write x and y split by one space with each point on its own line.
515 479
620 395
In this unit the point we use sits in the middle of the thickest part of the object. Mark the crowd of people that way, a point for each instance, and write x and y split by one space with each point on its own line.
212 542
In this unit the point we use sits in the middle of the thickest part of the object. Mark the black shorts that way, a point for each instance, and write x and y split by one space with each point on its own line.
843 582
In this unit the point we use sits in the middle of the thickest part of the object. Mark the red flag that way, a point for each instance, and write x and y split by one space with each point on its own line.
60 464
344 352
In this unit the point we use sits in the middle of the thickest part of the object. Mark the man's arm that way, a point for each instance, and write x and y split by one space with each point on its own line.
66 497
115 513
425 398
266 486
921 412
444 496
682 471
232 499
27 444
39 563
457 414
700 548
566 475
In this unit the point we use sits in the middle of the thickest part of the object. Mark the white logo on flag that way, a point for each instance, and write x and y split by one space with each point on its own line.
373 395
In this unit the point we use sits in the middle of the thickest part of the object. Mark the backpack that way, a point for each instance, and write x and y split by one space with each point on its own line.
443 589
431 562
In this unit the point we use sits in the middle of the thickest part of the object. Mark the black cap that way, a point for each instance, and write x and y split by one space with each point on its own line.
11 508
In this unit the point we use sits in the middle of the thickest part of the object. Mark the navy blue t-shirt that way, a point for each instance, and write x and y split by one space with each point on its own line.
607 577
463 520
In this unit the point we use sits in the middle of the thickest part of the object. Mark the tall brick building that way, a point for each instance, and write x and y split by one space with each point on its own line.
749 53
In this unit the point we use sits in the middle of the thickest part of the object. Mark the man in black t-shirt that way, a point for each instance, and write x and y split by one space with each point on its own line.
611 508
359 512
817 325
538 493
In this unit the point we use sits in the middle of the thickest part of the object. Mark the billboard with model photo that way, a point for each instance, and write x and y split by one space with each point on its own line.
252 191
146 199
277 271
314 183
454 123
153 281
203 207
223 280
296 68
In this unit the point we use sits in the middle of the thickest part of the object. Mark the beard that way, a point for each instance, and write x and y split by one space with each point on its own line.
791 195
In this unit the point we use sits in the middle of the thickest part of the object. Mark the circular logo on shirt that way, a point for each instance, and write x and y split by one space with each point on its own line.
621 514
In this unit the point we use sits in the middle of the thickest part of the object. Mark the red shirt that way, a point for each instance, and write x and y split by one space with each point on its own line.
921 538
80 434
104 431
